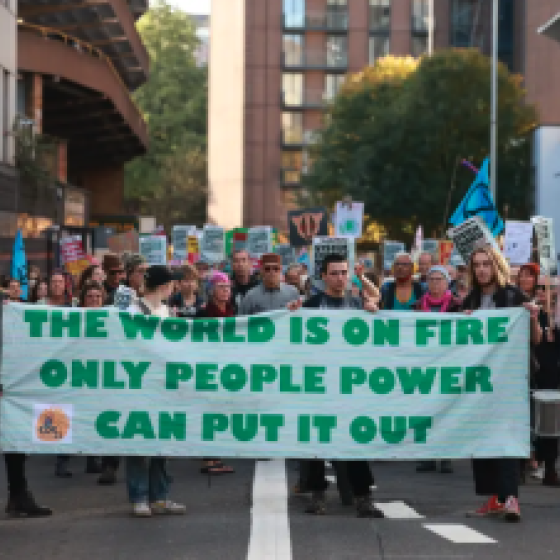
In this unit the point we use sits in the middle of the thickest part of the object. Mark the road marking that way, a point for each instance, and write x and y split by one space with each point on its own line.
270 529
398 510
459 534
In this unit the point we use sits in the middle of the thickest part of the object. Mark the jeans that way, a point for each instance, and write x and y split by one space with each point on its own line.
15 472
146 479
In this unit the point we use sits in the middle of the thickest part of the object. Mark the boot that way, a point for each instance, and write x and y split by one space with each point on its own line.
61 467
24 505
92 466
366 508
108 476
318 504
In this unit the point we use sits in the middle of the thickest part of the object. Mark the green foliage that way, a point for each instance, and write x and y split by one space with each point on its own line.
395 140
174 104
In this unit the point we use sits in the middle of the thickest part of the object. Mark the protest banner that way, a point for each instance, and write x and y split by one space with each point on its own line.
348 219
445 251
390 249
546 244
307 224
287 252
180 240
337 384
323 246
128 242
72 255
518 242
259 241
154 249
212 247
466 236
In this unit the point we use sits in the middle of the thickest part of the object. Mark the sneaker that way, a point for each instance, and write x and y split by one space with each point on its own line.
318 504
491 508
167 507
141 509
365 508
108 476
24 505
511 510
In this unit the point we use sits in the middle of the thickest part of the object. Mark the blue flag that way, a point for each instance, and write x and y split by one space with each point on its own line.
19 264
479 202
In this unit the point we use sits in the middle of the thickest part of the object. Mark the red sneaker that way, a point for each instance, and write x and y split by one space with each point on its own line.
511 510
490 509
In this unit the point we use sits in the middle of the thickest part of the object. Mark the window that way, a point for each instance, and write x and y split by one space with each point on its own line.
292 89
337 14
292 128
419 45
292 163
293 50
337 51
467 19
380 15
333 82
294 13
421 15
378 47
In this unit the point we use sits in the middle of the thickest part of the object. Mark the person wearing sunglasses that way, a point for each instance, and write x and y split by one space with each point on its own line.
116 275
272 294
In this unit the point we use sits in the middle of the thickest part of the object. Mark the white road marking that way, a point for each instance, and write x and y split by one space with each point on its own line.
270 528
398 510
459 534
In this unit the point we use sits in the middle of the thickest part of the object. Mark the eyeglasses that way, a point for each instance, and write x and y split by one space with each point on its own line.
271 269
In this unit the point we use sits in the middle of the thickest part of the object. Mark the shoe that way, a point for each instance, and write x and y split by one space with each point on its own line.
426 466
511 510
62 472
24 505
551 479
365 508
141 509
167 507
491 508
318 504
108 476
92 466
446 467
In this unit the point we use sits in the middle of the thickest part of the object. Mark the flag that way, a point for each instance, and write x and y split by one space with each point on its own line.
479 202
19 264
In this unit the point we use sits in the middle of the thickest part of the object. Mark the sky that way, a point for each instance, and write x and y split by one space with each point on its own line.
192 6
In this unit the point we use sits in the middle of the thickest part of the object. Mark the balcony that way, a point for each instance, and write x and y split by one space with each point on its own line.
315 60
309 99
330 21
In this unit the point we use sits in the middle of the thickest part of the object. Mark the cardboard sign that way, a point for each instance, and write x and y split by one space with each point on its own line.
72 255
348 219
547 247
518 242
212 248
323 246
259 241
179 238
430 246
467 235
154 249
127 242
445 251
287 253
307 224
390 249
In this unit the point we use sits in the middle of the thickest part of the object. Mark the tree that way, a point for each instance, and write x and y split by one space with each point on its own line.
398 131
174 104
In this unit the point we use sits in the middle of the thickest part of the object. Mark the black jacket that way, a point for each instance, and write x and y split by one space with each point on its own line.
508 296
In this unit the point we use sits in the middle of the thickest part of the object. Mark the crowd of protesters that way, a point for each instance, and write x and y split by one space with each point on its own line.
195 291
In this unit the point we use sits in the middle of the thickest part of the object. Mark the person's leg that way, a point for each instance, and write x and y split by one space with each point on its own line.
61 466
361 480
317 484
508 489
445 466
159 489
548 454
486 483
426 466
93 465
138 484
109 467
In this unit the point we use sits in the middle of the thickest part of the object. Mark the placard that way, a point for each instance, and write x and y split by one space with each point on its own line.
445 251
212 248
259 241
307 224
323 246
127 242
467 235
546 243
518 242
287 252
348 219
390 250
179 239
154 249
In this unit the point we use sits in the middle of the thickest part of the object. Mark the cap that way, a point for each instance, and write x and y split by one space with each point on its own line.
158 275
271 258
441 270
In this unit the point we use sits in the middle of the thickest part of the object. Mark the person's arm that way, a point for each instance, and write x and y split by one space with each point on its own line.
370 289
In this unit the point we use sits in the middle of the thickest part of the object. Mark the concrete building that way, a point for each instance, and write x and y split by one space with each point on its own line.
77 64
274 66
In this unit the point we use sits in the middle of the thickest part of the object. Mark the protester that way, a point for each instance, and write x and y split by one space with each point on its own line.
334 271
292 276
186 302
438 299
425 262
242 279
146 478
14 290
219 306
93 273
57 292
272 294
528 278
402 293
499 477
40 291
135 268
116 275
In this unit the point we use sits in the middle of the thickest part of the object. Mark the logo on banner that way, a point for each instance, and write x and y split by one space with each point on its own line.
307 224
53 423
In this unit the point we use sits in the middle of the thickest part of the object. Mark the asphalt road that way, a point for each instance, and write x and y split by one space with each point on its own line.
254 515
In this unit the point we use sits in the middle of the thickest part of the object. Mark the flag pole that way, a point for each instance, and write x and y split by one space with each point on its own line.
494 101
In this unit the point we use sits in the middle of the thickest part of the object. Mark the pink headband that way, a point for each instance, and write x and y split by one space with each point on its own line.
219 278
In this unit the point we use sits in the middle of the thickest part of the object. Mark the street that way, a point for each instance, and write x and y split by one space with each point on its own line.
244 516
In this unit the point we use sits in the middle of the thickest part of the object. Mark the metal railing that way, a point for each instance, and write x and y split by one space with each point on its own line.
315 59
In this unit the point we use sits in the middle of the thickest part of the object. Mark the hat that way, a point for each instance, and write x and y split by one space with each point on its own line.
132 260
218 277
271 258
159 275
111 261
441 270
533 268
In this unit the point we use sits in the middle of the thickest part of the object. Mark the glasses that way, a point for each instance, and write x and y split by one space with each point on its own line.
271 269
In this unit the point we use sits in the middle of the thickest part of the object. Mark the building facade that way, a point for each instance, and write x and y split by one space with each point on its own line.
285 60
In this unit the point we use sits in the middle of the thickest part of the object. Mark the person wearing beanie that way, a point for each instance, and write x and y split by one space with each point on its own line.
272 294
115 275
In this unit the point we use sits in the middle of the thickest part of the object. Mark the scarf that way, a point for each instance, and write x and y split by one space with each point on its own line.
427 302
213 310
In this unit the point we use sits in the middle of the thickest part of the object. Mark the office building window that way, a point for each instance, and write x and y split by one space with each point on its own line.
420 15
293 50
294 13
337 51
380 15
292 89
378 47
292 163
419 45
467 23
292 128
333 83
